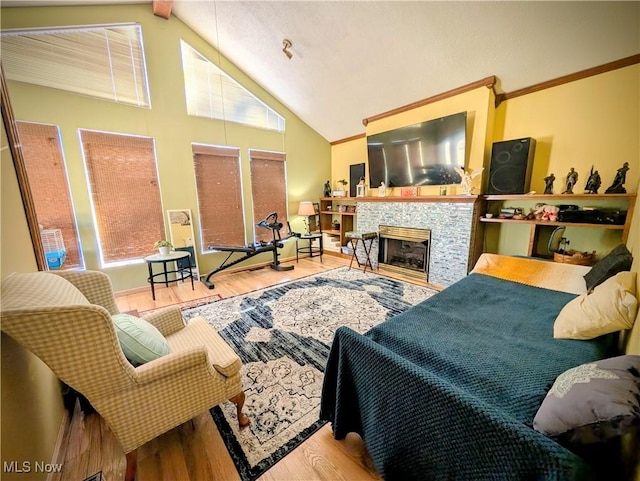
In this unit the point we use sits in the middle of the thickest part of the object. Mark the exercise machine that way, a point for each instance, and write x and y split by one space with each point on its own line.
269 222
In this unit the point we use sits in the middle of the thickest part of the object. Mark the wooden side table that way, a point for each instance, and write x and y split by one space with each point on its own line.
367 239
180 274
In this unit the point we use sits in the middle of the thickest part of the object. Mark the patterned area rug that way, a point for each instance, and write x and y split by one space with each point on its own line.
283 335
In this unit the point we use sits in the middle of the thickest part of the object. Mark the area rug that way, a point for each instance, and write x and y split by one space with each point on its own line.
283 335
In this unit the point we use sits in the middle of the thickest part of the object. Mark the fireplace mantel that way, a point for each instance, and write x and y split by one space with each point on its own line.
452 220
420 198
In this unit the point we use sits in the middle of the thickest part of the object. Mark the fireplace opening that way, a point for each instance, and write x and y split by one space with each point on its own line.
405 250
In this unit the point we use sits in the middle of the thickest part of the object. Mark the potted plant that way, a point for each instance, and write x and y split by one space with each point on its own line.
163 246
341 192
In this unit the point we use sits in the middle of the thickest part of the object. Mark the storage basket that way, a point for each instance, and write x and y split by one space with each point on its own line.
575 258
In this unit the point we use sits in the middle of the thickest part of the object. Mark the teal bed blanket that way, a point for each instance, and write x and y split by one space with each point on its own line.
448 389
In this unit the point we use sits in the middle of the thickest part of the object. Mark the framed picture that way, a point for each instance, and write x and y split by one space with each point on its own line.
181 230
408 191
316 207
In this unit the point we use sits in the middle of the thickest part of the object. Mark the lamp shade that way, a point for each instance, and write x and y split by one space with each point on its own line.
306 208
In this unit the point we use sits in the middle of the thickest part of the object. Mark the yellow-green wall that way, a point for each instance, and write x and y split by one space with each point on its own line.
592 121
31 402
308 154
478 104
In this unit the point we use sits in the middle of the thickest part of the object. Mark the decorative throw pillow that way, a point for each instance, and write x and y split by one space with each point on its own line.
592 402
140 340
611 307
618 260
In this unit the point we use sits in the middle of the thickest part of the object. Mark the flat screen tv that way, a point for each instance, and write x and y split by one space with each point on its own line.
422 154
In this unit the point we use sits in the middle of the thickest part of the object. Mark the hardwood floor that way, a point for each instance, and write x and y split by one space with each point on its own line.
195 451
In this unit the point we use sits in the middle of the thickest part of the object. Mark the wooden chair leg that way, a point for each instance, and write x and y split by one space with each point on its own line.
238 400
132 462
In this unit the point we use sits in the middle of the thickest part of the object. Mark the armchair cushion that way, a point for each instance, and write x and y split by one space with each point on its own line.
199 333
140 341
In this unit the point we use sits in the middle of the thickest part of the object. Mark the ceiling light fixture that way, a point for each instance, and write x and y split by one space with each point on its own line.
286 45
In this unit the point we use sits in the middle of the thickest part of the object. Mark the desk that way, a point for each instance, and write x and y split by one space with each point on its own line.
184 273
309 249
367 239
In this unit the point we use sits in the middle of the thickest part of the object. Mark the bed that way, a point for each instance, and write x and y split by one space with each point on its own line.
449 389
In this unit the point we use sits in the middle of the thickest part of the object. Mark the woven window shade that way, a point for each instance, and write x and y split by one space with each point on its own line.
126 195
49 185
103 61
269 189
219 191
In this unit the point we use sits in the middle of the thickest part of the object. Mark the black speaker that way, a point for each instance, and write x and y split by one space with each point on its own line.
511 164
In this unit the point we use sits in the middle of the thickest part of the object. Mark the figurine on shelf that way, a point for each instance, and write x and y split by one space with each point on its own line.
382 190
620 179
572 178
548 183
466 179
327 189
593 183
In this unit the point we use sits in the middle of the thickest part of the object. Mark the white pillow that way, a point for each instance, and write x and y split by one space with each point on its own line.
610 307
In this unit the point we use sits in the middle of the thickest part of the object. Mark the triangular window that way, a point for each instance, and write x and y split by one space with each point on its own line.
211 93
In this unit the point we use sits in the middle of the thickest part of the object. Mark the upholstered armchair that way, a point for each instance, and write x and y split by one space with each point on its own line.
65 319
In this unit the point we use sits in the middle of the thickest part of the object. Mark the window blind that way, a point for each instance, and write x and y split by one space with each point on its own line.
269 190
49 183
125 194
219 192
211 93
106 62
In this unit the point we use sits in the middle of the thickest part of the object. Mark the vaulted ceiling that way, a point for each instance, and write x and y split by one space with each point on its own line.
355 59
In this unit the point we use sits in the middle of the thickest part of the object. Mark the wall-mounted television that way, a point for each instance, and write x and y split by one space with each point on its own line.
421 154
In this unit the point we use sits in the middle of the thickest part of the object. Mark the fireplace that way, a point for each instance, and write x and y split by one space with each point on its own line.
405 250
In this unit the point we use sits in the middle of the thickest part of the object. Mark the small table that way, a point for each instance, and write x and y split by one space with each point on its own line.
310 249
185 272
367 239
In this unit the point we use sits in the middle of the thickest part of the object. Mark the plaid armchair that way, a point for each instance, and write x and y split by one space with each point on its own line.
64 318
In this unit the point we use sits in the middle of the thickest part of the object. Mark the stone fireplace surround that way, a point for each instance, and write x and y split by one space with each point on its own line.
452 221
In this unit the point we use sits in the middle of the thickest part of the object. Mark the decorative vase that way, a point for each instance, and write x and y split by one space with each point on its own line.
164 250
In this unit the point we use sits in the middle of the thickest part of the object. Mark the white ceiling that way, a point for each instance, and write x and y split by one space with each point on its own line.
352 60
356 59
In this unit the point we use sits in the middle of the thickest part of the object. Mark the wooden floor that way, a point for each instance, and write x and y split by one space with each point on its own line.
195 451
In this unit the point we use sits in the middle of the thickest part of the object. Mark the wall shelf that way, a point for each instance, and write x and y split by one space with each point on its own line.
536 226
554 224
346 219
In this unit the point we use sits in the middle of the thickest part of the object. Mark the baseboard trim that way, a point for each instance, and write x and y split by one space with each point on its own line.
250 267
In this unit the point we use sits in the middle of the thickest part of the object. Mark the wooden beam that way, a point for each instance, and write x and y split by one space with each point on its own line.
162 8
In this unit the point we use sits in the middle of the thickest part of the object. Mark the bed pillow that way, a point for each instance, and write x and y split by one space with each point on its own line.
618 260
140 340
610 307
592 402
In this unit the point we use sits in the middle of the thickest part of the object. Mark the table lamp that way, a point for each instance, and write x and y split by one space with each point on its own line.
306 210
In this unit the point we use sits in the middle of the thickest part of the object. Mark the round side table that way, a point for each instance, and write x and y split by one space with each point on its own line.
163 276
